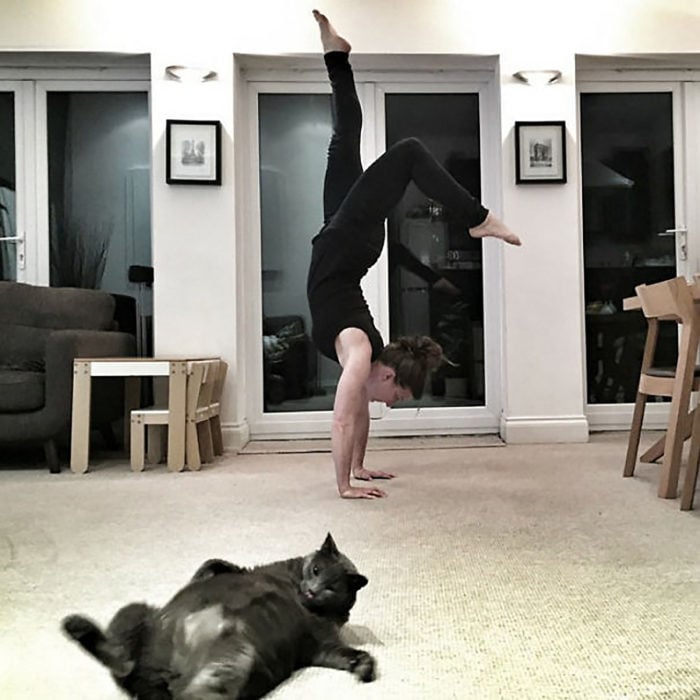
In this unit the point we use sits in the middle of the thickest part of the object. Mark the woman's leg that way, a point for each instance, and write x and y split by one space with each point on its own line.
343 165
382 185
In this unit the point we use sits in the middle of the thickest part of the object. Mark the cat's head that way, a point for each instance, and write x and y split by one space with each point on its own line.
330 582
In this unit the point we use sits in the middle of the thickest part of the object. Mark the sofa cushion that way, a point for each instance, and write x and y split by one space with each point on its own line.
20 390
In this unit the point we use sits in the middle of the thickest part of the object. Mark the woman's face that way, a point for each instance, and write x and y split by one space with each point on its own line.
389 392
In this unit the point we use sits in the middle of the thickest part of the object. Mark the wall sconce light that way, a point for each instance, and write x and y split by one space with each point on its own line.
190 74
538 78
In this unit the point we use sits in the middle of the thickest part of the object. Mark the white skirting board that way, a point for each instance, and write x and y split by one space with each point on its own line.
236 436
542 429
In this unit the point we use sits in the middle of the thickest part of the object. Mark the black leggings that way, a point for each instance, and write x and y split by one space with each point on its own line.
364 200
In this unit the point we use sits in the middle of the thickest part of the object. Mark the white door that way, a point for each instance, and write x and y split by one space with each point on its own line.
292 386
639 155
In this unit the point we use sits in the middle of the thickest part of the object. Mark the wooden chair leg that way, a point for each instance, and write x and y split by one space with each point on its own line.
682 384
216 435
206 444
194 461
137 444
635 434
132 401
656 451
691 474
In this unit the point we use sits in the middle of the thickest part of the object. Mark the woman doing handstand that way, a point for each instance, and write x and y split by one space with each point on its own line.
355 205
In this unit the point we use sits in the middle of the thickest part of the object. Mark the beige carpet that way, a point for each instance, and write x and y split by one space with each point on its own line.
524 572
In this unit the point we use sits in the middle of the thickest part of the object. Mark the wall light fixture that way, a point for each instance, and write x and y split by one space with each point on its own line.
538 78
190 74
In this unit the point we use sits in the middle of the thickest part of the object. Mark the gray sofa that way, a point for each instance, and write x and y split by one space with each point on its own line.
42 329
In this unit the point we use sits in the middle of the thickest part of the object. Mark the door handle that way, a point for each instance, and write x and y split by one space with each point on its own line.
682 240
19 240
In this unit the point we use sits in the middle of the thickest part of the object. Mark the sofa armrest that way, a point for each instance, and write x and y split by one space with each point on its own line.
62 347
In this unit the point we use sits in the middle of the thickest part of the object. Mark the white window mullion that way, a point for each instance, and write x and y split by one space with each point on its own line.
25 110
40 176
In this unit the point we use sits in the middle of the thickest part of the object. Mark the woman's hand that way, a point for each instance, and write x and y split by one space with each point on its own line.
368 475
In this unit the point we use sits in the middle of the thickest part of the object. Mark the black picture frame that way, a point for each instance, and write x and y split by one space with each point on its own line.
192 152
540 153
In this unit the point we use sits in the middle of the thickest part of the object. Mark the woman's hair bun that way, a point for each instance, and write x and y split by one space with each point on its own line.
423 348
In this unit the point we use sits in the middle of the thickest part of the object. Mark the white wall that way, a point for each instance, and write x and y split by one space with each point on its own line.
196 243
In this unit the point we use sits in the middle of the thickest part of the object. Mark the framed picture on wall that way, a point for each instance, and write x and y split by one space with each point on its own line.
540 152
192 152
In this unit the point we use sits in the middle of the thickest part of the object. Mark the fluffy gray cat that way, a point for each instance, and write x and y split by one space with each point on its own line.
233 632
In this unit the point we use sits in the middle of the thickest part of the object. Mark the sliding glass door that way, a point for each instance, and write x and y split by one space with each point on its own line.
637 164
429 280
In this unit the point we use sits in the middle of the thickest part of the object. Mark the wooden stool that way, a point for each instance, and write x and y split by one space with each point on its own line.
202 381
669 300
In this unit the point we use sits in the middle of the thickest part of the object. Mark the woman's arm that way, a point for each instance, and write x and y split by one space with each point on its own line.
350 410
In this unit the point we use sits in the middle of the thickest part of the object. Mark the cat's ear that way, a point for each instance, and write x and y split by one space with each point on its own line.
329 546
358 581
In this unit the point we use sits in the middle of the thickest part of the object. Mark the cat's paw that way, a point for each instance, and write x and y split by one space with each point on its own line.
364 667
79 627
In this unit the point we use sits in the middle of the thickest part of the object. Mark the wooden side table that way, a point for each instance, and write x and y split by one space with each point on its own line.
133 368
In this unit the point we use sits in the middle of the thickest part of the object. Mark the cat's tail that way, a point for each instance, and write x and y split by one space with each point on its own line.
112 654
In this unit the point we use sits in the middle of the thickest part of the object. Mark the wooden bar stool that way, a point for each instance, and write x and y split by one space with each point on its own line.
691 473
669 300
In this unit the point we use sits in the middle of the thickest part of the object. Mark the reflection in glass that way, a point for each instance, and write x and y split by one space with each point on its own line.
294 133
435 268
99 158
8 220
628 199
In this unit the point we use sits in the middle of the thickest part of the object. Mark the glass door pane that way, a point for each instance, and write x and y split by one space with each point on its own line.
99 158
294 133
8 210
627 155
435 267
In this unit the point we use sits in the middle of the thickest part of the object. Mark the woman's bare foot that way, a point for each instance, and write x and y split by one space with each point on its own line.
493 226
329 37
